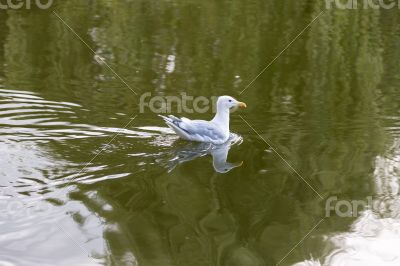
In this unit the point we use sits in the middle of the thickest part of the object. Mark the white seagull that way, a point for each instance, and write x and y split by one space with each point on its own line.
215 131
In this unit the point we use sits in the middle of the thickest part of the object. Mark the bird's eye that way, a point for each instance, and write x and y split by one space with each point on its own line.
230 101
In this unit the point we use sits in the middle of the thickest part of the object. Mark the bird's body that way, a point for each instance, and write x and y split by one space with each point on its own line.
215 131
197 130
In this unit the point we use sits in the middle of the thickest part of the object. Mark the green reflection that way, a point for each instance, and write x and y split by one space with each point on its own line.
329 105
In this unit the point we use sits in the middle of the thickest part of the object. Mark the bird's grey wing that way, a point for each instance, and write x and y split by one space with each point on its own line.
202 129
198 130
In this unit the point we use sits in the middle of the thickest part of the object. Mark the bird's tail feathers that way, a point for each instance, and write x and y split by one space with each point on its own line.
170 119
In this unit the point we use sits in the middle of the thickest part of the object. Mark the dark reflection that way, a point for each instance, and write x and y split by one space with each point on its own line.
219 153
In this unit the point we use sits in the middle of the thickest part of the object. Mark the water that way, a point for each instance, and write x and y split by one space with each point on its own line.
82 183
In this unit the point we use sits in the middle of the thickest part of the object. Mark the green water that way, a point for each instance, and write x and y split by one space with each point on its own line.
81 186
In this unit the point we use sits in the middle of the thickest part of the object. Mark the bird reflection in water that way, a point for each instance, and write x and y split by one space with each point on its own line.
219 153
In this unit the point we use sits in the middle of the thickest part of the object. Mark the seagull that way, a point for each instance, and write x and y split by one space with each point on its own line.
215 131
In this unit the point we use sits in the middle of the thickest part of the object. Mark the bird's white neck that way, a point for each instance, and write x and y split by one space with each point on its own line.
222 118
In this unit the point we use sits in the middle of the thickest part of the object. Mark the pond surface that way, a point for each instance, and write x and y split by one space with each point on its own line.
88 178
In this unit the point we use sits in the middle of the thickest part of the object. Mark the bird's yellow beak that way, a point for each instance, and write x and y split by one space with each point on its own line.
242 105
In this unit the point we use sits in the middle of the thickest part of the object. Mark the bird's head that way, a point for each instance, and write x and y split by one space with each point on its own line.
228 102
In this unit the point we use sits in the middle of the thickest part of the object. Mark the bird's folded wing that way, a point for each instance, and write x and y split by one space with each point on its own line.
201 128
